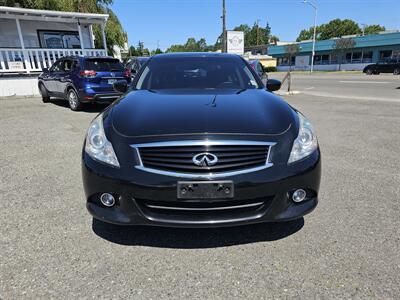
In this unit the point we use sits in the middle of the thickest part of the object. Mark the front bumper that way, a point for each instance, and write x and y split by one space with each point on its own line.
135 193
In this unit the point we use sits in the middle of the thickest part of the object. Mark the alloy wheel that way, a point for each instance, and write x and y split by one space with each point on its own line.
73 100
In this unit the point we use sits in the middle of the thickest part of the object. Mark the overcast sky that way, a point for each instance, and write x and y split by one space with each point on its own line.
167 22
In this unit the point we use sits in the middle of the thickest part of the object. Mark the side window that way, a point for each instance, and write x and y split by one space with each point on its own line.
67 65
57 66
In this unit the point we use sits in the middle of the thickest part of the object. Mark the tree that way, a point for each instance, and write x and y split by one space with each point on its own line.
334 28
273 39
139 48
339 28
191 45
157 51
115 34
373 29
132 51
256 35
340 46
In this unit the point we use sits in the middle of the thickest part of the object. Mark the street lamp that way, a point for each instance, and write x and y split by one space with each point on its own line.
315 32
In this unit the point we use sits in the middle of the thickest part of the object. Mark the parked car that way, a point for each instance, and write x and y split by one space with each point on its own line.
82 79
135 63
385 66
200 141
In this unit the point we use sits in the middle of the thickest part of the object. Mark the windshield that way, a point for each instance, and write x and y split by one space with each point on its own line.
101 64
196 73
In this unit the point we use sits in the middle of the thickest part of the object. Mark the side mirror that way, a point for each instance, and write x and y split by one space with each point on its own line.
273 85
120 86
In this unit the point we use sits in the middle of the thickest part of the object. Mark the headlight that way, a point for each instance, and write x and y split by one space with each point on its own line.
97 146
305 143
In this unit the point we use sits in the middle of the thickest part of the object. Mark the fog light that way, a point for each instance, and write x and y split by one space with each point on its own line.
107 199
299 195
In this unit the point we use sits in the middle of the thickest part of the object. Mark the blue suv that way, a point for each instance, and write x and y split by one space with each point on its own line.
82 79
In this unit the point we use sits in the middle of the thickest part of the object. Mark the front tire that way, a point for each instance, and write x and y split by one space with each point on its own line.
73 100
44 93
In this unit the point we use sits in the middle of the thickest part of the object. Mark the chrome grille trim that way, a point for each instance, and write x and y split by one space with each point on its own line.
205 208
210 175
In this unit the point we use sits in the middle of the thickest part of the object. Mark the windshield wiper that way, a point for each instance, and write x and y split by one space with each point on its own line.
240 91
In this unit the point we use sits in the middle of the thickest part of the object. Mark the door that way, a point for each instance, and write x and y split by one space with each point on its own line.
58 76
64 76
51 78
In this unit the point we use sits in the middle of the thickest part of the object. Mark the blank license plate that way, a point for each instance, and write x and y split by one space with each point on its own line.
205 190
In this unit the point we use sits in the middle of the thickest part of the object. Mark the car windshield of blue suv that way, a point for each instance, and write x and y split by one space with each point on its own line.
196 73
101 64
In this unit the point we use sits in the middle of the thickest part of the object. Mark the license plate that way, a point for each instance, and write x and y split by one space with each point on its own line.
111 81
205 190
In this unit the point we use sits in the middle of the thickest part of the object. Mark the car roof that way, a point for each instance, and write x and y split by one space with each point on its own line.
88 57
195 54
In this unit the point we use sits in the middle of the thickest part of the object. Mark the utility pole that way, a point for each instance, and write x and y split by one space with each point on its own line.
223 40
315 32
258 21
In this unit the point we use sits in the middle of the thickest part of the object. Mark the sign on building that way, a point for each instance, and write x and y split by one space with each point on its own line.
235 42
15 66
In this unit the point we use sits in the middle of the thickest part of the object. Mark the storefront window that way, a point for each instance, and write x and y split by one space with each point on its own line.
356 58
385 54
367 57
59 39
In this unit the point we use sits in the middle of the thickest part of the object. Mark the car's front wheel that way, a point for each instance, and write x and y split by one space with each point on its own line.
73 100
44 93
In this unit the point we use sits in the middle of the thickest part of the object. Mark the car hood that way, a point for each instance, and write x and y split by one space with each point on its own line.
148 113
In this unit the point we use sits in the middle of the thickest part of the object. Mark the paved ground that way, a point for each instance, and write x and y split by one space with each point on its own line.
348 248
385 87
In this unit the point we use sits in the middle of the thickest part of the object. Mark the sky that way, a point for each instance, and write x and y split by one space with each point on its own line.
165 22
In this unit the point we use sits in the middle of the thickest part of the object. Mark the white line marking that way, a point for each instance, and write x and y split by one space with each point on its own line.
310 88
349 81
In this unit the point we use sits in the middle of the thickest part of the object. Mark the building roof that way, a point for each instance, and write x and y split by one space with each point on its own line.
373 40
50 15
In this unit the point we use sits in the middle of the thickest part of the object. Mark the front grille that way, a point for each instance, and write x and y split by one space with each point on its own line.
201 211
177 157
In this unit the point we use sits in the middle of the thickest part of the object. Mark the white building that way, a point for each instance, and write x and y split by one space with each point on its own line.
31 40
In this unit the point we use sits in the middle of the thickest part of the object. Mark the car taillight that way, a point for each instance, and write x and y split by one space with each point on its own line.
127 73
87 73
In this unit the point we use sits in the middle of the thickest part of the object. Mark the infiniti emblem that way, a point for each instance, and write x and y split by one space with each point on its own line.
205 159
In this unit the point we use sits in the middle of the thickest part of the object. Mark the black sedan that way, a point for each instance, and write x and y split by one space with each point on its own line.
198 140
384 66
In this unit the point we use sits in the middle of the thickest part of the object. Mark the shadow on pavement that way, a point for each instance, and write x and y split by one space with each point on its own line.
195 238
88 107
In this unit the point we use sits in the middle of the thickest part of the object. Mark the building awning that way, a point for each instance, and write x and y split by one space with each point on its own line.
49 15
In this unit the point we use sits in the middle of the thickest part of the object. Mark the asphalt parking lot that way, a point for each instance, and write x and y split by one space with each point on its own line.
347 248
